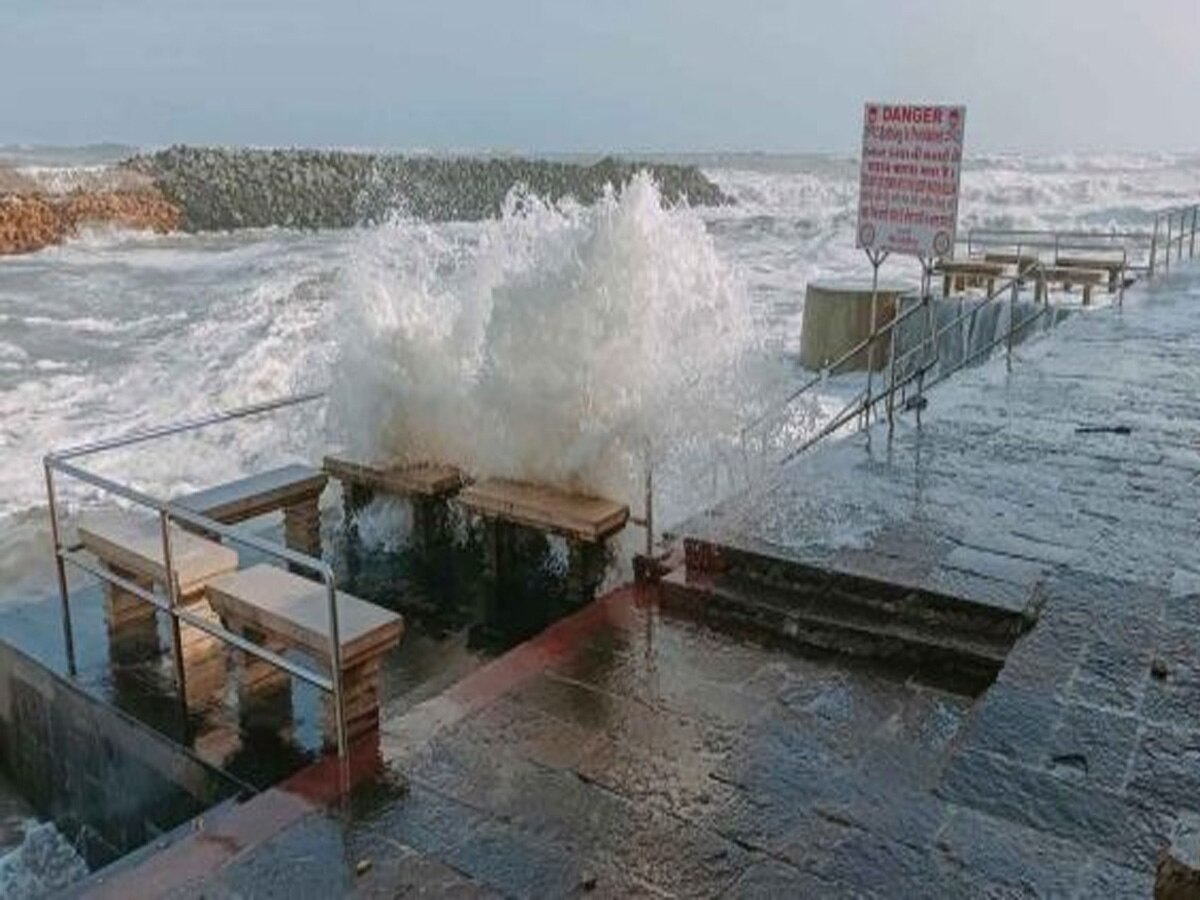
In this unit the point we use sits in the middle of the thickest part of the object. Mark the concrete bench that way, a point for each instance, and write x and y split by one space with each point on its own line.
294 489
574 516
424 485
1114 267
281 611
131 547
1067 277
966 272
1022 262
585 521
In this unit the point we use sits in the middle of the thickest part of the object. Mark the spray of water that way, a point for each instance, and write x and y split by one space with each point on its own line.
558 343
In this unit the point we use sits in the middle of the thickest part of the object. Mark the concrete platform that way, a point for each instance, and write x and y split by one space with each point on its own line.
544 508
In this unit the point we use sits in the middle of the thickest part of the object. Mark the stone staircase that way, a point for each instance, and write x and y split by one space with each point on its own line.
910 631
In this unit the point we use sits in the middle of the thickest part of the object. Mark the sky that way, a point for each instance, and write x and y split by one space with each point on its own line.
596 75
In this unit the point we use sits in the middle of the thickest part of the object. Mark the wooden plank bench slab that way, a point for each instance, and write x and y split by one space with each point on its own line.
283 610
425 485
962 271
1066 276
296 610
1114 267
419 479
575 516
1022 261
295 489
257 495
133 544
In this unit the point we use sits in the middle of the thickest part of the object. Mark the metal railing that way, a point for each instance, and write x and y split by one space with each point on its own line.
1176 227
62 462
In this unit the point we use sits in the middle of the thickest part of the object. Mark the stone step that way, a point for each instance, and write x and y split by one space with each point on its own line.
837 594
962 663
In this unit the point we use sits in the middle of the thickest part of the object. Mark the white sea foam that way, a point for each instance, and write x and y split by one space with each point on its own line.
546 344
42 864
556 344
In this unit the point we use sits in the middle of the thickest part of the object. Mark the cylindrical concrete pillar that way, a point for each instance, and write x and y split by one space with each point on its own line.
837 316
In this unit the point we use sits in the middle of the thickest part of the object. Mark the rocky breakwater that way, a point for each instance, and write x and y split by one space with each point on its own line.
224 189
34 214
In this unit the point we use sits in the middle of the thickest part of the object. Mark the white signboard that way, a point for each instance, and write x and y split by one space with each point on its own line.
908 186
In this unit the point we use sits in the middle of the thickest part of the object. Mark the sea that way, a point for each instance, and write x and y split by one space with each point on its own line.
555 341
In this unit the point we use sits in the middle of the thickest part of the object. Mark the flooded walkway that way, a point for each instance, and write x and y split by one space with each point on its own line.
635 749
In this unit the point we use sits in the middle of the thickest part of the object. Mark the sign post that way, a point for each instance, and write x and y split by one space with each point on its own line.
908 203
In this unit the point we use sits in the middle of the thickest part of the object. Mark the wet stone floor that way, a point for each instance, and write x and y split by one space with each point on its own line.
630 751
626 750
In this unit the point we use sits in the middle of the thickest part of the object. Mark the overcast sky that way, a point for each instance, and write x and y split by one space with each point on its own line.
587 75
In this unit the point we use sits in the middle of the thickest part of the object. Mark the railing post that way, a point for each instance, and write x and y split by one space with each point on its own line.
649 510
173 598
876 261
1012 318
335 665
892 367
1153 247
60 570
1167 258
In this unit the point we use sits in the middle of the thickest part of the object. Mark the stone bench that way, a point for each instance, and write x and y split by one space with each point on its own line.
424 485
1114 267
1022 262
294 489
586 522
131 547
967 272
1067 277
281 611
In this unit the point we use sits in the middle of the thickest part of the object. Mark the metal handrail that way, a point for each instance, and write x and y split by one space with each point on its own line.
863 346
168 512
148 434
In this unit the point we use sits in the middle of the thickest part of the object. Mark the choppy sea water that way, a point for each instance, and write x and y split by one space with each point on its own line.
555 339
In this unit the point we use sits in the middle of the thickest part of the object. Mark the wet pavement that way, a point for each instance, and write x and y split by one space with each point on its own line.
1085 457
631 749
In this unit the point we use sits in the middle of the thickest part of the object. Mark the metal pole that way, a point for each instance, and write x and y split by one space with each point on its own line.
173 597
1192 246
60 567
1167 258
876 260
891 400
335 665
927 300
1012 318
1182 228
649 507
1153 247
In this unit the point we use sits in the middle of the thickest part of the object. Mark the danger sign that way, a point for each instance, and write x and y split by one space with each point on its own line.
908 185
